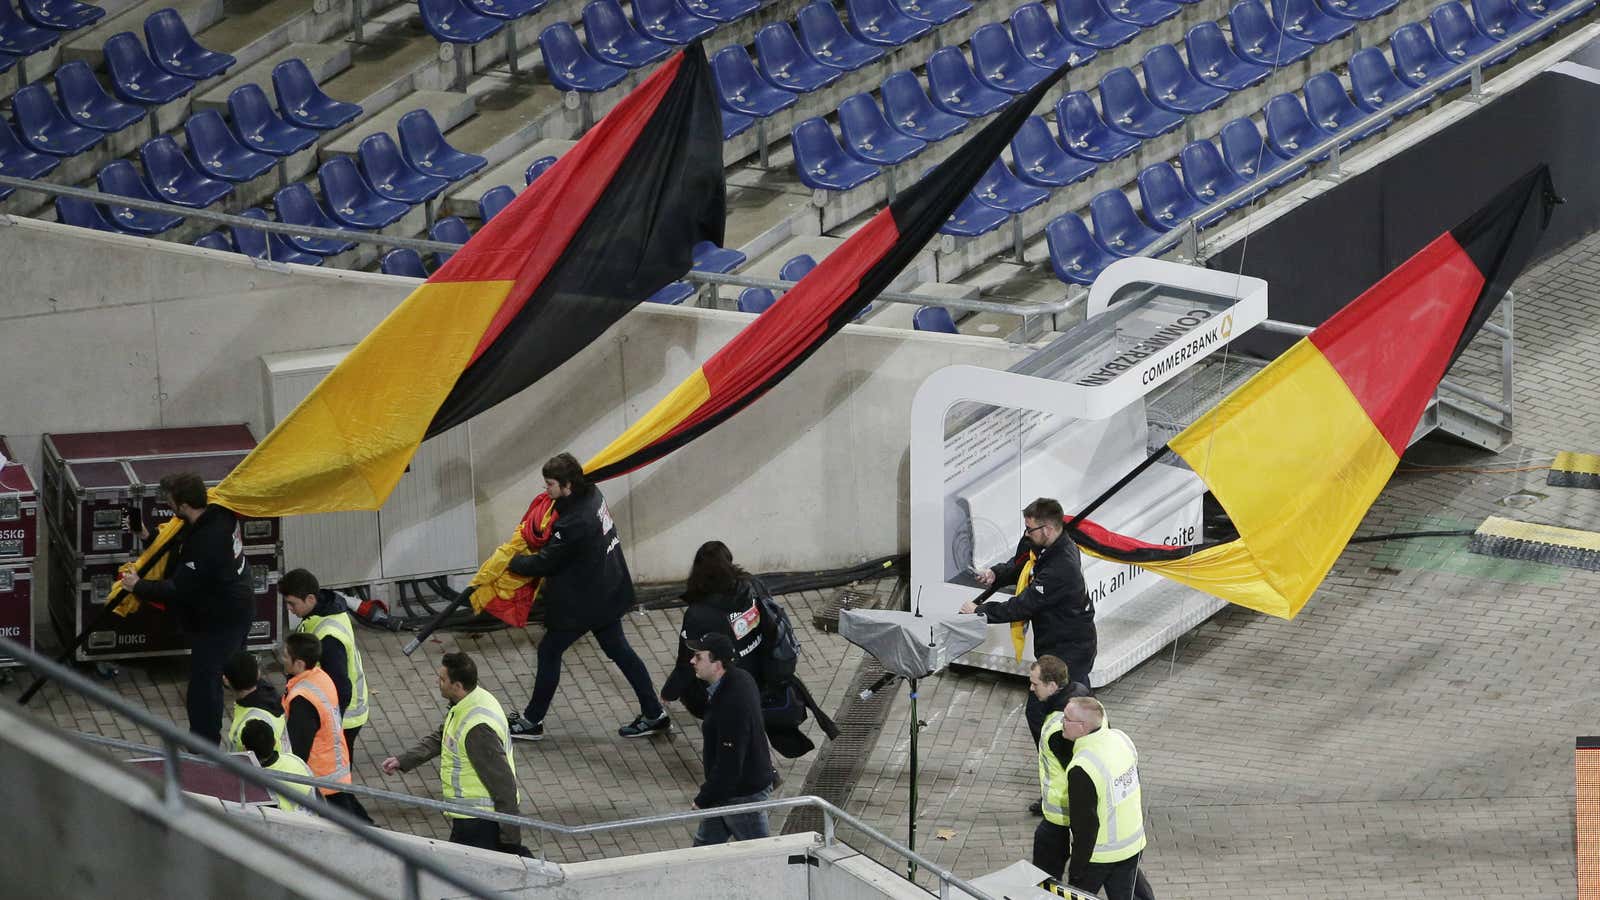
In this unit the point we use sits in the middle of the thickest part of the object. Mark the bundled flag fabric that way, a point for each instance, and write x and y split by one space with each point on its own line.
1297 454
825 300
497 591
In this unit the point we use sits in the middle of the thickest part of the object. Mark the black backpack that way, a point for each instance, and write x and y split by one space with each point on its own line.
784 650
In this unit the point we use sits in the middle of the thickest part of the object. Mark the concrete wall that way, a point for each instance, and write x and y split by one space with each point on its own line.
102 331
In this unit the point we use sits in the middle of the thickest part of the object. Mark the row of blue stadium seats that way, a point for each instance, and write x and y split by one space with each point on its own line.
39 25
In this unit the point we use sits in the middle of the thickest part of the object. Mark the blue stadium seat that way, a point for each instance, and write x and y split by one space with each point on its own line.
612 38
1305 20
506 9
935 319
1129 111
450 230
1457 37
782 62
1116 226
828 42
296 206
666 20
1374 85
673 294
62 15
494 200
973 217
1215 63
1417 61
934 12
425 149
1564 9
1085 135
1172 86
390 176
1498 19
82 214
19 38
269 245
822 163
1041 161
909 111
721 10
955 89
305 104
998 64
570 67
1167 203
796 268
1257 38
881 22
87 103
44 127
868 136
1143 13
1075 256
1000 188
1086 22
404 262
1289 129
734 123
741 89
214 240
708 257
1332 109
121 178
1250 158
260 128
7 62
1208 178
454 22
17 161
219 151
351 201
175 179
756 300
1040 43
136 78
536 168
1359 10
175 49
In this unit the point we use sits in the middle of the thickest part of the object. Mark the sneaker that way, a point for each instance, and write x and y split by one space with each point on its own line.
643 727
1035 807
523 730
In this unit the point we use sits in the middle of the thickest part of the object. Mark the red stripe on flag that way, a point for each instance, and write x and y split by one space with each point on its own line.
1418 311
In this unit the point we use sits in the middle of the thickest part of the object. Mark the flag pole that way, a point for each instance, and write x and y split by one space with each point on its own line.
427 630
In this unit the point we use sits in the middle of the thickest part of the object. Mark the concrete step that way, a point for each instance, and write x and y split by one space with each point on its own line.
463 199
448 109
325 61
86 44
251 29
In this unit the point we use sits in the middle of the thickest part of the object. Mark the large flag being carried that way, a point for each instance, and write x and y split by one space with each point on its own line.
1297 454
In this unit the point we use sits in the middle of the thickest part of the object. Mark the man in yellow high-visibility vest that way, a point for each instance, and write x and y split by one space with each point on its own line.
1105 805
1051 686
325 615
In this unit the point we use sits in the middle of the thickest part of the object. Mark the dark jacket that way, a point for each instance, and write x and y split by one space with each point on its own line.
586 580
334 660
265 696
735 752
737 615
1056 601
208 581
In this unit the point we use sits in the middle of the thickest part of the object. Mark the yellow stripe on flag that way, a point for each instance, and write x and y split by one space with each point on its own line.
661 419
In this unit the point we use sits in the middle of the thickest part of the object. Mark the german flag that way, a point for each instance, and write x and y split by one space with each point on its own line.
1297 454
824 301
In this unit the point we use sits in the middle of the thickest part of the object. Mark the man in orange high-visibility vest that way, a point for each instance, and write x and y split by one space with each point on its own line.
313 727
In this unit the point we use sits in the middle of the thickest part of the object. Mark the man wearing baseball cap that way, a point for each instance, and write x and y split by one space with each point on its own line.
738 767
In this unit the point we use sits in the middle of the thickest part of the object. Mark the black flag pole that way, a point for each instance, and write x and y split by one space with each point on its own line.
427 630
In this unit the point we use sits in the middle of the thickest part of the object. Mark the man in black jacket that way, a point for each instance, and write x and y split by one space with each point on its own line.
1054 601
586 589
210 589
738 768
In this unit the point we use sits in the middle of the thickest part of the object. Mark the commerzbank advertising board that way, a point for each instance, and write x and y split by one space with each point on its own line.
1170 350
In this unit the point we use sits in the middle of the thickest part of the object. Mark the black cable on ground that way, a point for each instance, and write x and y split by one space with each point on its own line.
1407 535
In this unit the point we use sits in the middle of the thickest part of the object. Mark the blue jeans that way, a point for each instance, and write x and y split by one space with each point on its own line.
741 827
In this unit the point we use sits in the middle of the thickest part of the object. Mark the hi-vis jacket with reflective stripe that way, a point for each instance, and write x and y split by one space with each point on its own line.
461 782
1052 775
242 716
342 629
290 764
1107 756
330 757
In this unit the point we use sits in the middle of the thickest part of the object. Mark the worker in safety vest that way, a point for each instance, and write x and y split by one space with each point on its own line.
476 766
313 727
254 699
1052 839
326 616
1104 804
259 739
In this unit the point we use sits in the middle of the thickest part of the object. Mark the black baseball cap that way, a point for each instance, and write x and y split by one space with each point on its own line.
720 646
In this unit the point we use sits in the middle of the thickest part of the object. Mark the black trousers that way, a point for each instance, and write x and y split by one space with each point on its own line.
1078 668
1122 880
350 735
208 651
484 835
1051 846
350 803
614 643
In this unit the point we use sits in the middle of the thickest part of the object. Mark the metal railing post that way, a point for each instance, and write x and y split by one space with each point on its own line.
1507 359
412 882
171 783
828 826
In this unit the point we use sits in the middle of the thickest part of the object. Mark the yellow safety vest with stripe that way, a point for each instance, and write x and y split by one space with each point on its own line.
1107 756
461 782
340 628
290 764
1052 776
242 716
